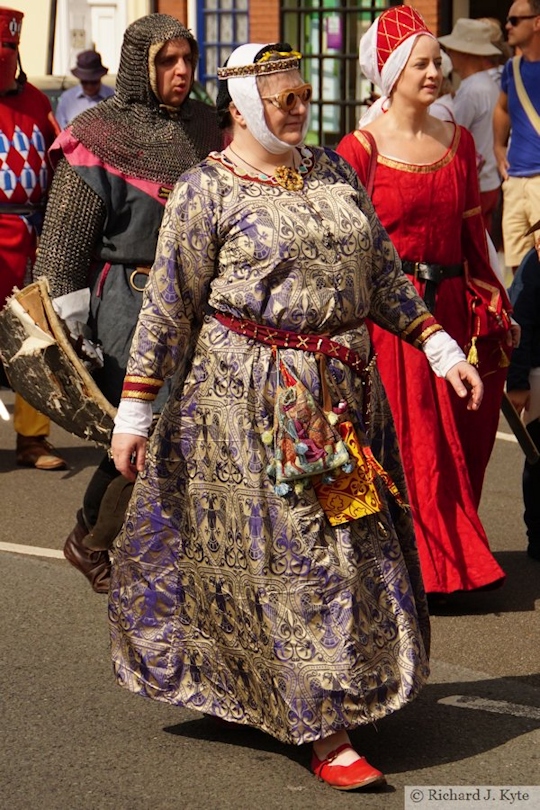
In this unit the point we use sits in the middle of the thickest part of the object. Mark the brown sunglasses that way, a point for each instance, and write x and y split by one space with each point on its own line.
287 98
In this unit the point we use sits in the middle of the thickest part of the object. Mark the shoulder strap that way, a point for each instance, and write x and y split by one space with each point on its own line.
526 103
372 166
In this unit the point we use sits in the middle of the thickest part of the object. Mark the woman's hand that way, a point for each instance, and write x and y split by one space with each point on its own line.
464 378
128 453
502 161
514 335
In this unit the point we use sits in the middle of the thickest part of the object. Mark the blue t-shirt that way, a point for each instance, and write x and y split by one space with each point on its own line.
524 148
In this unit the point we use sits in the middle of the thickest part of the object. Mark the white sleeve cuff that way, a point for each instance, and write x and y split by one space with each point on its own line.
133 416
442 353
73 306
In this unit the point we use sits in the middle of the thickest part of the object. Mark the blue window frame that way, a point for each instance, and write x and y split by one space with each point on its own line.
222 25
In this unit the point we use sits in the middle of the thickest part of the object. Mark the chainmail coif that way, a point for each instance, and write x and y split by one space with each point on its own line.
131 130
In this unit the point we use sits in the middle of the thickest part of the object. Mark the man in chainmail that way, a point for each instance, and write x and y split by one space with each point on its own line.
116 165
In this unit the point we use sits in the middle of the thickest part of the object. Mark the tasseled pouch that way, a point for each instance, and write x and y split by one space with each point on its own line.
490 323
352 493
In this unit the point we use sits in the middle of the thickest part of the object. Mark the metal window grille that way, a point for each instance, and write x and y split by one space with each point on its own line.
223 25
327 34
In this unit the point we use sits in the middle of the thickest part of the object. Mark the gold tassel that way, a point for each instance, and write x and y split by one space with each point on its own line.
472 357
504 361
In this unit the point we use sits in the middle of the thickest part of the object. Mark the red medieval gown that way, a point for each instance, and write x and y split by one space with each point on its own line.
432 214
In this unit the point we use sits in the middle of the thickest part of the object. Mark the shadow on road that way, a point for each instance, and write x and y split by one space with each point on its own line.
427 734
519 593
423 735
78 458
213 730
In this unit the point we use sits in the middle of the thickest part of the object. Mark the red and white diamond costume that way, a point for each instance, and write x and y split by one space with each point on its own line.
27 130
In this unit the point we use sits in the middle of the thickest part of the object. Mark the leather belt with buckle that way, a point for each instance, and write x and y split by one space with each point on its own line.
145 271
432 274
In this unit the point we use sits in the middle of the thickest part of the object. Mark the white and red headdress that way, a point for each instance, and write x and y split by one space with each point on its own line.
386 47
241 73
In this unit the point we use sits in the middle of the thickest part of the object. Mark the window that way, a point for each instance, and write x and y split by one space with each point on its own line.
328 34
223 25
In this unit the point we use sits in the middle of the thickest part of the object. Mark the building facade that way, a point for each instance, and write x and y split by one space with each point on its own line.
55 31
325 31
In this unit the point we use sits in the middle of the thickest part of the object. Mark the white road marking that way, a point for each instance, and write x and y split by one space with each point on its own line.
494 706
35 551
4 413
506 437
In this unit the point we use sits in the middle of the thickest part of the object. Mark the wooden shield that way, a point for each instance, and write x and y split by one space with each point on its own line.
43 367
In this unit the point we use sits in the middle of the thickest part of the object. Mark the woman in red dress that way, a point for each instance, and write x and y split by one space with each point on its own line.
422 173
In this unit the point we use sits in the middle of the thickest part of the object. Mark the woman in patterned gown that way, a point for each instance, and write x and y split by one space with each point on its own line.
227 597
425 191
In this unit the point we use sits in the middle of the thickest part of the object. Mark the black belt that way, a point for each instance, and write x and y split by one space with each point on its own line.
432 274
20 209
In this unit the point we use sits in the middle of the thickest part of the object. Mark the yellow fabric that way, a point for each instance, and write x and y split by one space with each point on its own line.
27 421
352 495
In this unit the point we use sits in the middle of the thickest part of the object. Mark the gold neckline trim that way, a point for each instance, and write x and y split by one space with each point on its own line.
414 168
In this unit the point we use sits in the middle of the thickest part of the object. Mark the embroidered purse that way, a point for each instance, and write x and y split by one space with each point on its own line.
489 319
353 495
305 442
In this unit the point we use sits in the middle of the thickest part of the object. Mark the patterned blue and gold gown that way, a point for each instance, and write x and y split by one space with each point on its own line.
226 597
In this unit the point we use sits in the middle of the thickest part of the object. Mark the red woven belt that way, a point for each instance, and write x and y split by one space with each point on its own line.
294 340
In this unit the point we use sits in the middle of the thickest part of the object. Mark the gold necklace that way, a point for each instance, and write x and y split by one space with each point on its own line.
285 176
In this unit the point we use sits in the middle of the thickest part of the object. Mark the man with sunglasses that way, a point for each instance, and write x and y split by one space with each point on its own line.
89 70
469 46
518 113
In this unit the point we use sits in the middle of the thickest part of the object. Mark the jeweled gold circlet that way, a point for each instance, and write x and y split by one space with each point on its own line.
259 68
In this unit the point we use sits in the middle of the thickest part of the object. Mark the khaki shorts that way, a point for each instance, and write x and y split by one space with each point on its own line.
521 209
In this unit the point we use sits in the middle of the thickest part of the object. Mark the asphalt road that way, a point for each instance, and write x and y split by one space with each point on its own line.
70 739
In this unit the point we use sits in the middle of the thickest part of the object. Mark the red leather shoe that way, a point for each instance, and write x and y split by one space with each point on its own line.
358 774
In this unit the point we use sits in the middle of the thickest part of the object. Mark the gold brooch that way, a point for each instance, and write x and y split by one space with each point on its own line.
288 178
